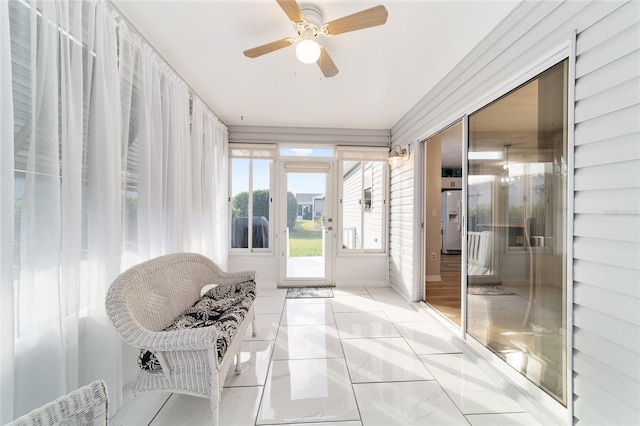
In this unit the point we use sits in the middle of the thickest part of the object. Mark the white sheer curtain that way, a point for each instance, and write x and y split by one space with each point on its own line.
209 223
47 305
100 169
6 219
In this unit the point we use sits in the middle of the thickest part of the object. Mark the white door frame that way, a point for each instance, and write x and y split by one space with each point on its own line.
326 167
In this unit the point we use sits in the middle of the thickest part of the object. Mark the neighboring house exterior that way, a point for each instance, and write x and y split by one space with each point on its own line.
306 205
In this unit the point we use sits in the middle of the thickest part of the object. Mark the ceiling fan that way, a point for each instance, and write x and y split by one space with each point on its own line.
309 25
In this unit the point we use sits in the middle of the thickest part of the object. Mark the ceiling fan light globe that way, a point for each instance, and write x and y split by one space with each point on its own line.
308 51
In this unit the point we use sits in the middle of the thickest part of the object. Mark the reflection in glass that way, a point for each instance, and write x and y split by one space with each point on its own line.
517 215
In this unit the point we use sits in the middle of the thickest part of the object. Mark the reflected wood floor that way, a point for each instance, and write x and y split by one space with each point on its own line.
445 295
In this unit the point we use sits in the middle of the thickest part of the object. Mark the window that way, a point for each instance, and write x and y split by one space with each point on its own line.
306 152
363 206
251 197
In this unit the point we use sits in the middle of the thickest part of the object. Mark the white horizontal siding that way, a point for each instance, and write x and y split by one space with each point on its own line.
607 221
606 243
401 232
298 135
599 153
599 275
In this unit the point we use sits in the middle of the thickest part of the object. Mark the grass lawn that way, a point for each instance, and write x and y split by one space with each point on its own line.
304 240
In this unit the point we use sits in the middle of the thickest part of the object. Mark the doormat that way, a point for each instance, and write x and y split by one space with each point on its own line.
308 292
488 290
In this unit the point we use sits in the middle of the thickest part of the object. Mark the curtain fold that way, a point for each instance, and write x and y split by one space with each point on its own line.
6 220
106 161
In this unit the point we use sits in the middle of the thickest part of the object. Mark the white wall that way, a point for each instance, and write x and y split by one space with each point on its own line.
606 236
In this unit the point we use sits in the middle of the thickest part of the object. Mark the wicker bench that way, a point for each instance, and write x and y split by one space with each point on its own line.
146 304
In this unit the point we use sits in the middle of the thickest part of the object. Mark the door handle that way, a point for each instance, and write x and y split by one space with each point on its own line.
329 228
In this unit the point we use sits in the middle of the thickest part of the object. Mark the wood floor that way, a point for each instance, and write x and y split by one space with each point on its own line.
445 295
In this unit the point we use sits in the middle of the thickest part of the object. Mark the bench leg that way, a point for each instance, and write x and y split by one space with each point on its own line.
254 330
237 370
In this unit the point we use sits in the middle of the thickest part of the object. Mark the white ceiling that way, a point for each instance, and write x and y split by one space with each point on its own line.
384 70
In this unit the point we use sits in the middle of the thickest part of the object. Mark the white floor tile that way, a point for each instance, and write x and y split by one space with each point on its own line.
300 391
308 341
139 409
307 314
269 305
394 305
428 337
254 364
184 410
308 300
267 327
406 403
469 387
349 291
349 423
357 303
506 419
271 292
364 324
239 406
383 360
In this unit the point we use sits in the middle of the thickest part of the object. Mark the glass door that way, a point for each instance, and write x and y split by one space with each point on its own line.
517 226
307 225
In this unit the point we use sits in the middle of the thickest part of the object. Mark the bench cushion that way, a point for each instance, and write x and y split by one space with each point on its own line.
223 307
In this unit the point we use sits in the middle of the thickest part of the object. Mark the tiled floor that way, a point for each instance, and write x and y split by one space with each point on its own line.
364 357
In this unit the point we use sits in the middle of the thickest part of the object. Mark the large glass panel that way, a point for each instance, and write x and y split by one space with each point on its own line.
517 216
363 205
251 203
306 201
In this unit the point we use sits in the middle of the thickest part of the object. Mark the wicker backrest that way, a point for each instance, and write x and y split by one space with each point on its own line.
156 292
82 407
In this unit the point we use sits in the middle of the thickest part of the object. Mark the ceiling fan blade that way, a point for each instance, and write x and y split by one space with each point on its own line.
326 64
267 48
359 20
292 10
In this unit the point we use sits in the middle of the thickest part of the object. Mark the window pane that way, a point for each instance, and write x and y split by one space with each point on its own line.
261 203
351 207
363 205
517 216
373 207
250 203
306 152
239 202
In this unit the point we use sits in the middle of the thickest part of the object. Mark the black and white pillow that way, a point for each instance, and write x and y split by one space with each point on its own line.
224 307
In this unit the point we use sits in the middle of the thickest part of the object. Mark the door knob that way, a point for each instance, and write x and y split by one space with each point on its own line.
329 228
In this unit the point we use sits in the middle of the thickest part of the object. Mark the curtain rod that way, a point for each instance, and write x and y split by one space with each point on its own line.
192 92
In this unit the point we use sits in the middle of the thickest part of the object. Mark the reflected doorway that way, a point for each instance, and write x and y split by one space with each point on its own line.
443 222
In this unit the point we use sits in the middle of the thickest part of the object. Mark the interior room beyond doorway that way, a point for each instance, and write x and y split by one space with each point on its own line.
443 222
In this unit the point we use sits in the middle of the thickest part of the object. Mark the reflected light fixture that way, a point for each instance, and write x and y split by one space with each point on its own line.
506 179
398 155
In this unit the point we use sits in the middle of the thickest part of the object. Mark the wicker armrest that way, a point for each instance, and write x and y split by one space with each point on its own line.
235 277
174 340
87 405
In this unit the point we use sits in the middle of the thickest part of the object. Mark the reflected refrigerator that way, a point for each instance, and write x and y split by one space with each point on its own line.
451 222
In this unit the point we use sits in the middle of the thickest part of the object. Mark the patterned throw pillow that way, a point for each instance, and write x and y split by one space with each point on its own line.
224 307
